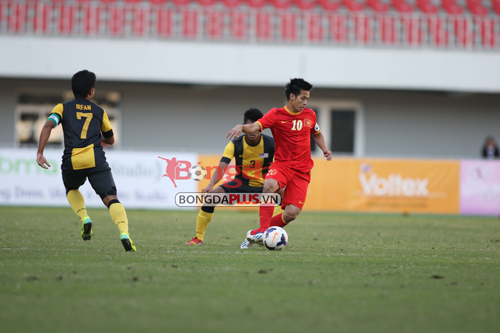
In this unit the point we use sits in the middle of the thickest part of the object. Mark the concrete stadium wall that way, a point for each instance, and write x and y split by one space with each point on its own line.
135 60
196 118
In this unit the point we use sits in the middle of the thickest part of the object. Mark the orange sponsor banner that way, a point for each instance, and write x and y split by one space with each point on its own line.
375 185
383 185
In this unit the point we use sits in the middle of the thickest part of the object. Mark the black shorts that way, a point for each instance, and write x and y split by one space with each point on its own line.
232 187
100 179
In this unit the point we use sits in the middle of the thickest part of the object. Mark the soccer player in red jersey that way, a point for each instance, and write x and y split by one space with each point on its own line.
292 127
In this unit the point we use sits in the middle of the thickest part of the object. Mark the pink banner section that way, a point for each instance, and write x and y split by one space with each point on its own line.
480 188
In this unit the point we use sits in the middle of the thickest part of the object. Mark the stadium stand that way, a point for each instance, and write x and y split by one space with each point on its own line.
465 24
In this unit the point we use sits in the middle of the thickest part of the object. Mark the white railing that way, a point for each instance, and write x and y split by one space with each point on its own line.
247 25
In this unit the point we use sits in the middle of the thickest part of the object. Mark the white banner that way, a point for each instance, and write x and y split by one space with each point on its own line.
142 179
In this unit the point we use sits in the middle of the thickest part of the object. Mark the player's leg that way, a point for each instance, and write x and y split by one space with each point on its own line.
278 209
290 213
276 180
266 210
246 188
293 200
203 219
103 184
72 181
119 217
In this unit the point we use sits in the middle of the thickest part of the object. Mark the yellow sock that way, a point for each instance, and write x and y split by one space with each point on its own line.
277 210
119 216
75 199
202 222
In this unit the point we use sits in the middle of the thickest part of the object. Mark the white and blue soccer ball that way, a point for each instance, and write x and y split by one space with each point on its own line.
275 238
197 173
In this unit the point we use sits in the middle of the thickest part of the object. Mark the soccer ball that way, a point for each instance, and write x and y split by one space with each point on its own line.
275 238
197 173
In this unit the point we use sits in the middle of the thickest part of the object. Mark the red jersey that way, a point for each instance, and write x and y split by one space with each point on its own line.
292 136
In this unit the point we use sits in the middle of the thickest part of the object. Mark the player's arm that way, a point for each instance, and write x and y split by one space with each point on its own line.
265 122
54 119
42 142
216 177
107 131
320 141
221 169
238 129
109 141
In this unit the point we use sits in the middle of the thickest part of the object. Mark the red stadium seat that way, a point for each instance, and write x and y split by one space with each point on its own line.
214 25
18 17
232 3
116 20
288 22
436 26
487 32
401 6
239 24
206 3
496 7
387 29
329 5
363 30
182 2
91 19
189 23
66 14
338 28
140 20
476 7
281 4
412 30
377 6
264 27
305 4
164 22
427 7
353 6
314 27
157 2
464 35
41 17
256 3
453 9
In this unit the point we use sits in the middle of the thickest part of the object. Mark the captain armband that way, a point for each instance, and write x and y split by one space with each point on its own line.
55 118
107 134
316 128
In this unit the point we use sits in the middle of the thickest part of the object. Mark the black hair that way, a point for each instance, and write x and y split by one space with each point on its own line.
295 86
489 138
252 114
82 82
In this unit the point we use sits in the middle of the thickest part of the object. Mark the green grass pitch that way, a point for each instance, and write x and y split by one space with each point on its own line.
339 273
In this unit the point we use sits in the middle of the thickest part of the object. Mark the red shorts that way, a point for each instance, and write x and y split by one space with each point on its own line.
296 183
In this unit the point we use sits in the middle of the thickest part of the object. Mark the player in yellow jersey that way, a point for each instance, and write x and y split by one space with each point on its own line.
85 126
249 150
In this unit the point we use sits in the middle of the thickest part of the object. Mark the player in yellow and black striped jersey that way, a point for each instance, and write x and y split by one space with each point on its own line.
253 155
85 126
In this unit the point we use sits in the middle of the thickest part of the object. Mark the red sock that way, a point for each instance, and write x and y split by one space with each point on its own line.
265 214
277 221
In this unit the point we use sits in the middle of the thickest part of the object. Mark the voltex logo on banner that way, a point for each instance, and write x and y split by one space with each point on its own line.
394 185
